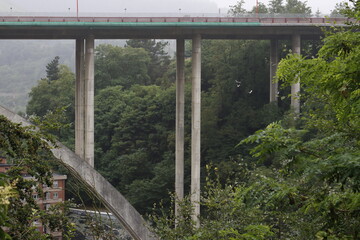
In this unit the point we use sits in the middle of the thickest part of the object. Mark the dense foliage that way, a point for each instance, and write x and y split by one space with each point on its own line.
291 7
302 181
135 110
51 96
30 155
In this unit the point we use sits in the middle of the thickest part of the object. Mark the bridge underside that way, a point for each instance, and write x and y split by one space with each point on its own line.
141 31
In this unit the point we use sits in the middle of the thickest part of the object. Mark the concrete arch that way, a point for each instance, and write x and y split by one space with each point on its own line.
111 198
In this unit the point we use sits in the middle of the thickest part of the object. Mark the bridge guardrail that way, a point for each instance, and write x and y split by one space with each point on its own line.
266 20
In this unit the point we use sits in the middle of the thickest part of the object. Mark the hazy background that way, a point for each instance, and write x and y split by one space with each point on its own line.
190 6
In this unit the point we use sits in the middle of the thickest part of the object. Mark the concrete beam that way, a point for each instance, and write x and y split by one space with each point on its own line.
274 61
179 125
97 184
89 100
195 127
79 100
223 31
295 88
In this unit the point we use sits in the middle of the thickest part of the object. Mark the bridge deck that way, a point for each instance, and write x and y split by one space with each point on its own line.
52 27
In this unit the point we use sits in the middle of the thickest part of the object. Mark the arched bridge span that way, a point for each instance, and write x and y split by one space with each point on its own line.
97 184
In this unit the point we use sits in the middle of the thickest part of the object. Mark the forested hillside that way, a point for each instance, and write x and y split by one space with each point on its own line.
301 179
22 65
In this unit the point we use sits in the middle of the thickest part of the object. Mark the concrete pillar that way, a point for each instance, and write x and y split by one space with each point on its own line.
195 126
89 100
295 88
180 101
274 61
79 99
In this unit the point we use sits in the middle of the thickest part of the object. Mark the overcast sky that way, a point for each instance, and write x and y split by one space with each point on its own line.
204 6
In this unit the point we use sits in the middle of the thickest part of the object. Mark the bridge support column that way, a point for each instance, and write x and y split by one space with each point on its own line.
295 88
180 101
195 126
79 100
89 100
274 61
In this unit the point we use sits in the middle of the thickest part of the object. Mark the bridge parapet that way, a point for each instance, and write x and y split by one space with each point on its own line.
183 19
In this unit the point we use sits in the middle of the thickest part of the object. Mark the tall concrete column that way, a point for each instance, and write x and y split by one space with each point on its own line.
274 61
79 100
89 100
195 126
180 101
295 88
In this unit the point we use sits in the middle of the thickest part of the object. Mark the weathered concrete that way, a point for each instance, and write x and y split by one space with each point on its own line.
274 60
295 88
89 100
80 100
110 197
195 126
179 125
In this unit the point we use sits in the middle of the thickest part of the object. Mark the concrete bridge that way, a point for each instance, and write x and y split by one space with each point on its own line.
84 30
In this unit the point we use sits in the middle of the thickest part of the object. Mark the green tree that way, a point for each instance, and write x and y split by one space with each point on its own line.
276 6
235 94
301 183
291 6
116 65
52 69
238 8
323 156
135 141
297 6
52 96
160 59
29 153
7 192
261 8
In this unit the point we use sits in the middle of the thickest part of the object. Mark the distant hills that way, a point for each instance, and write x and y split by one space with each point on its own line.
22 64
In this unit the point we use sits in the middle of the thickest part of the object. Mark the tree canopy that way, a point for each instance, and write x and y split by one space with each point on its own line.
29 153
274 7
52 69
302 180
